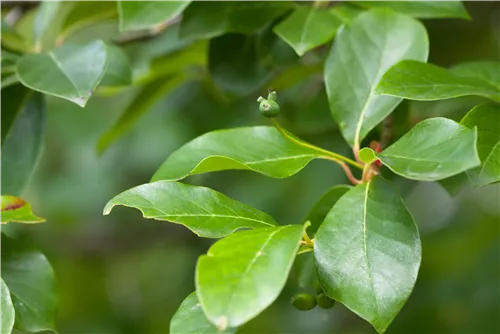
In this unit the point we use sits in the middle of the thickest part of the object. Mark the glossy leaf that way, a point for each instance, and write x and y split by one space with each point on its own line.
357 61
47 11
434 149
367 252
203 19
308 27
7 314
421 9
30 279
137 15
426 82
488 71
190 319
323 206
15 209
243 274
487 120
204 211
118 68
71 72
24 136
261 149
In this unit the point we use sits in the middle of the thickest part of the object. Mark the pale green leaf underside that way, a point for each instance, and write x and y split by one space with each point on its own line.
487 120
367 252
261 149
426 82
15 209
204 211
244 273
7 314
421 9
137 15
434 149
71 72
307 27
367 47
190 319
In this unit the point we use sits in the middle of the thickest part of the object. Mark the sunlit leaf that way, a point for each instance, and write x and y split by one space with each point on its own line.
488 71
15 209
421 9
7 314
137 15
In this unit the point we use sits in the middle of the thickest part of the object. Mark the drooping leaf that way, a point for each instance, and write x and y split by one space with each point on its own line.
357 61
434 149
319 211
243 274
71 72
421 9
487 120
488 71
15 209
138 15
190 319
44 17
118 68
30 279
261 149
234 64
210 19
308 27
426 82
7 314
24 133
367 252
204 211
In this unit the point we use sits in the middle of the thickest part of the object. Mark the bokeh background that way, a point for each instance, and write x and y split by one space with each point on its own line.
125 274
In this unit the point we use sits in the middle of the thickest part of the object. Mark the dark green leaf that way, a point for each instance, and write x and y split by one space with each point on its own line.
47 11
434 149
323 206
357 61
487 120
24 135
308 27
421 9
15 209
426 82
7 315
204 211
203 19
261 149
71 72
190 319
137 15
118 68
367 252
30 279
241 275
488 71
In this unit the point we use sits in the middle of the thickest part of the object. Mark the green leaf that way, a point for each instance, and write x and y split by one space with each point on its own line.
261 149
30 279
15 209
204 211
11 39
138 15
70 72
488 71
241 275
9 81
367 155
24 130
308 27
190 319
345 12
323 205
487 120
434 149
421 9
426 82
203 19
118 67
357 61
44 17
367 252
7 315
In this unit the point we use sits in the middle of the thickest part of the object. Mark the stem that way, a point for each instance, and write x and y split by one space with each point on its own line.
308 240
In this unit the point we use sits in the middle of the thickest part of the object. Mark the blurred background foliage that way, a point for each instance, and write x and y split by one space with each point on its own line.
125 274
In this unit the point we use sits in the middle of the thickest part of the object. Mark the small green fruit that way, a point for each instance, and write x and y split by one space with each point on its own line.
269 108
272 95
318 288
303 301
324 302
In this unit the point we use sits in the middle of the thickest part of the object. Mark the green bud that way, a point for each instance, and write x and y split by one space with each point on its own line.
318 288
324 301
303 301
269 108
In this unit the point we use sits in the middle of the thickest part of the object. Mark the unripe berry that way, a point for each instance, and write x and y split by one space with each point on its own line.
269 108
324 302
303 301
